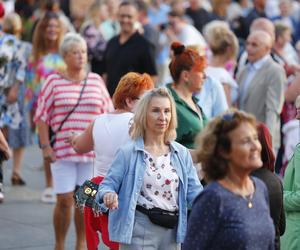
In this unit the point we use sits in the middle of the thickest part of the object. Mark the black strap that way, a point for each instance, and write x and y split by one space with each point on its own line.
142 209
68 115
148 211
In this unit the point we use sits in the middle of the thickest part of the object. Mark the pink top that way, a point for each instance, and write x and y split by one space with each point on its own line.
57 98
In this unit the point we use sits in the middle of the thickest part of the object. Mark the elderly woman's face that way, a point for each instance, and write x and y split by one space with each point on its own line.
52 29
76 57
158 115
245 153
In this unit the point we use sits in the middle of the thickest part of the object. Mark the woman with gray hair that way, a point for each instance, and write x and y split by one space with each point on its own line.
151 181
69 102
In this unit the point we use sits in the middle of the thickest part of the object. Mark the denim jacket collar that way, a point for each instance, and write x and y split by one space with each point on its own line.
139 145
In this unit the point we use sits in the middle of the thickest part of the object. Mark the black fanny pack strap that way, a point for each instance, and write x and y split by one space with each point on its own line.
148 211
68 115
160 217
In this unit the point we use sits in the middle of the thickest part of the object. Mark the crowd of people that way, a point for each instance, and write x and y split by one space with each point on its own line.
183 112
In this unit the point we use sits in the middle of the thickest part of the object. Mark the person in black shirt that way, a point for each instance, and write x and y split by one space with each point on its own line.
199 15
129 51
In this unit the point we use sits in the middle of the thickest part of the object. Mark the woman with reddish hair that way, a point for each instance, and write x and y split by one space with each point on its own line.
187 70
111 130
273 183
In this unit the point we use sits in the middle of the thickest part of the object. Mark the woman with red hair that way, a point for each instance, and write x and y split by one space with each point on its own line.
187 70
111 130
273 183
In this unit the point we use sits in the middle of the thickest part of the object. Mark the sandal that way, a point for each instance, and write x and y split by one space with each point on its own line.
48 196
16 180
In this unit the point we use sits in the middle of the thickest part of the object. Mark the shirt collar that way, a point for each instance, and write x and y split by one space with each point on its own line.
139 145
259 63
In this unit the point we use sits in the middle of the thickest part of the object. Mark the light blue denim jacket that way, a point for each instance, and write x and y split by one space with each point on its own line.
125 177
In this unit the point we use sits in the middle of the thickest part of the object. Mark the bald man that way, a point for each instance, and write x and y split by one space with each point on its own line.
263 24
261 84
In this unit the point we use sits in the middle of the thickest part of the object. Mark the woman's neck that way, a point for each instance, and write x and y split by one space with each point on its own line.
218 61
155 144
75 75
51 47
121 111
182 90
239 183
278 49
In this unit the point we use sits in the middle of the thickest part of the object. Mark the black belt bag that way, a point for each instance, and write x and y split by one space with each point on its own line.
160 216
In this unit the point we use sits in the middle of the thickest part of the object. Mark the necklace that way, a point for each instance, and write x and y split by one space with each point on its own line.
248 198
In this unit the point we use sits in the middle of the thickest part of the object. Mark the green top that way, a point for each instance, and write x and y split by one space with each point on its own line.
291 201
189 122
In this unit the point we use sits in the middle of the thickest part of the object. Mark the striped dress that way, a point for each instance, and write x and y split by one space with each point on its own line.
57 98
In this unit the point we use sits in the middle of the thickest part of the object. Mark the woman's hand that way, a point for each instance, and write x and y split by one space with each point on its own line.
71 138
111 200
48 154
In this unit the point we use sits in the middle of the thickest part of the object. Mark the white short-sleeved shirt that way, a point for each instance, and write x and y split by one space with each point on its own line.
110 131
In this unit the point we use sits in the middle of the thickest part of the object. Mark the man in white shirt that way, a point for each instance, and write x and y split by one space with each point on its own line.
262 84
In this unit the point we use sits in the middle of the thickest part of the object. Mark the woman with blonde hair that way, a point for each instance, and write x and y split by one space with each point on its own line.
223 45
19 138
112 128
151 181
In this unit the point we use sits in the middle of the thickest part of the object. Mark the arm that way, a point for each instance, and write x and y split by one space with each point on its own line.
4 146
282 216
42 118
84 142
43 131
194 186
204 221
12 93
293 90
274 98
227 90
113 180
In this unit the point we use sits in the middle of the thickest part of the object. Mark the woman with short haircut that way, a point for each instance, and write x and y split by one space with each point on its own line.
151 181
69 102
224 47
187 70
18 138
225 214
113 130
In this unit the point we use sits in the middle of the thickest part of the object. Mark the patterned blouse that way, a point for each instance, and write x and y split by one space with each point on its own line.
57 98
12 70
37 74
161 182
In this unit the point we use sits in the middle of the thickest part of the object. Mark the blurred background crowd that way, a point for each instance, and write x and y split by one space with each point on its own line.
251 48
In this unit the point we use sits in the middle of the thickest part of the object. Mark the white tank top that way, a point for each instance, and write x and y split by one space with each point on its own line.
110 131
